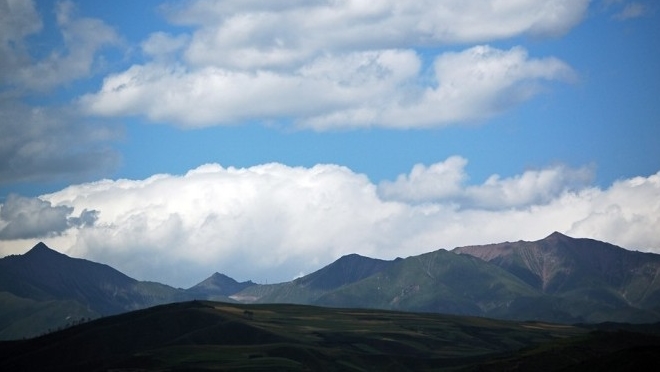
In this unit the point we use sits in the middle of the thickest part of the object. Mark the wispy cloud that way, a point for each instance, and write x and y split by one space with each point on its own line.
632 10
49 143
626 9
82 37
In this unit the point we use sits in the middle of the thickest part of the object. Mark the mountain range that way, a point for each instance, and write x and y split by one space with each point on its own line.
556 279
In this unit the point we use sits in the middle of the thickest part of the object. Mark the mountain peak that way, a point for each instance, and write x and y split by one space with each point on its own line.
219 284
41 249
40 245
347 269
217 275
557 235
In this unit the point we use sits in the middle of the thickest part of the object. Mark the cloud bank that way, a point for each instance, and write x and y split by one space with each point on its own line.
339 64
30 218
270 222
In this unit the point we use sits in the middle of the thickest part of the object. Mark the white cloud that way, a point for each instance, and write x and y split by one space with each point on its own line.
446 182
438 181
270 222
627 212
240 34
474 84
352 90
329 64
161 45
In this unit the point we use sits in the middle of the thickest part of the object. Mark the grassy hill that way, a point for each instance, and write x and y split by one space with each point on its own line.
205 336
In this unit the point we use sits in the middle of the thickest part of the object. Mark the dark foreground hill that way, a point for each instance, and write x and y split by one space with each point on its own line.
205 336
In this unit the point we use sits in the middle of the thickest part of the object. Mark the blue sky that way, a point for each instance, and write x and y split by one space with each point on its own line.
214 133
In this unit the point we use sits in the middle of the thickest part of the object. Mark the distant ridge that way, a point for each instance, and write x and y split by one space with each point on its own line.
45 274
558 263
218 285
347 269
555 279
44 289
606 277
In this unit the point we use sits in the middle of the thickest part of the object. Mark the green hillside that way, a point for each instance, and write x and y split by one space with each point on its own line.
214 336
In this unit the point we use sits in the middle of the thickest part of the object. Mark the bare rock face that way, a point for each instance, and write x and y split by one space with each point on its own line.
560 264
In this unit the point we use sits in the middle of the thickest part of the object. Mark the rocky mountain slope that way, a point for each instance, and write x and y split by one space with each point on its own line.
557 279
604 276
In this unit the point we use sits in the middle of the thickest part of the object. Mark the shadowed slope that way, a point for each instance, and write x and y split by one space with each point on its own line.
205 336
48 289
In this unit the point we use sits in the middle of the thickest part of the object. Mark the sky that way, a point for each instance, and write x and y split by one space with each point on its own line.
265 139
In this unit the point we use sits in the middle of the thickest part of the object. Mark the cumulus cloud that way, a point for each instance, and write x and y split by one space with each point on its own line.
329 64
46 143
353 90
446 182
627 212
82 39
247 34
270 222
438 181
27 218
